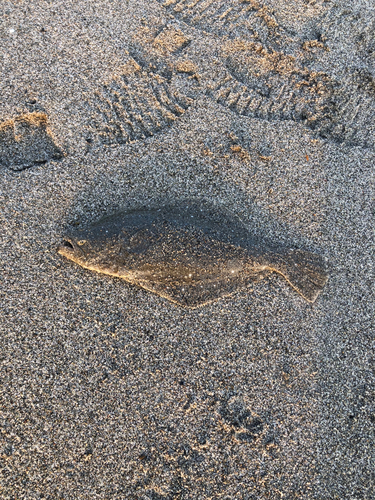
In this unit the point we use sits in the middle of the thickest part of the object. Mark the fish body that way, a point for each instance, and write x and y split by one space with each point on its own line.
188 254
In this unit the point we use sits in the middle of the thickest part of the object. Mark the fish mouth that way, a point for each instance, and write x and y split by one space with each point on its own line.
69 249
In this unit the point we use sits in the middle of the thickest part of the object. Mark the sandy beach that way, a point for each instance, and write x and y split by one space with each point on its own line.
110 392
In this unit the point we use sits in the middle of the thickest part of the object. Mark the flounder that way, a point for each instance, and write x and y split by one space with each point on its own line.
189 254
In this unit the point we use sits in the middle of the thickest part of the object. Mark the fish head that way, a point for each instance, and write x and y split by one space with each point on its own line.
97 248
76 249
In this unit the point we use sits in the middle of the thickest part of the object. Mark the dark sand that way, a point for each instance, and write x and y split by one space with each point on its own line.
110 392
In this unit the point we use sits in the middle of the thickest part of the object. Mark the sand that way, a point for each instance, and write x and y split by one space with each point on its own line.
111 392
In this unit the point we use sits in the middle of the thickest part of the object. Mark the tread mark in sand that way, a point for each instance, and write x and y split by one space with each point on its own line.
135 105
333 109
269 85
254 81
245 17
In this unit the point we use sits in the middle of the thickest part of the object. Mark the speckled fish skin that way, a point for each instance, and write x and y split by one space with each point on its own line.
188 254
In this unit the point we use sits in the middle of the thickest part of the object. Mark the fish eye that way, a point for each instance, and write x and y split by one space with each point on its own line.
81 242
67 244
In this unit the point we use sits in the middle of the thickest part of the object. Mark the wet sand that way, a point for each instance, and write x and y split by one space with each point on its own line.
111 392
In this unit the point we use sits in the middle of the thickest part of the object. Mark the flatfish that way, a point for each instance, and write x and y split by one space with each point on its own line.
189 253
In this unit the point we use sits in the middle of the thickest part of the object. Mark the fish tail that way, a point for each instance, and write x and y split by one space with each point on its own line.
304 271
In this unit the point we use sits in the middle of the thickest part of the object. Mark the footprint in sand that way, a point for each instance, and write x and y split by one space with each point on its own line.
26 141
252 76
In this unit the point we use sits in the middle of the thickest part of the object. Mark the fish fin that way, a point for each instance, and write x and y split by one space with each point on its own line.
202 292
305 272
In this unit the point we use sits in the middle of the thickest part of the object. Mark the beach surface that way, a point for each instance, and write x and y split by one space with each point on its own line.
110 392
